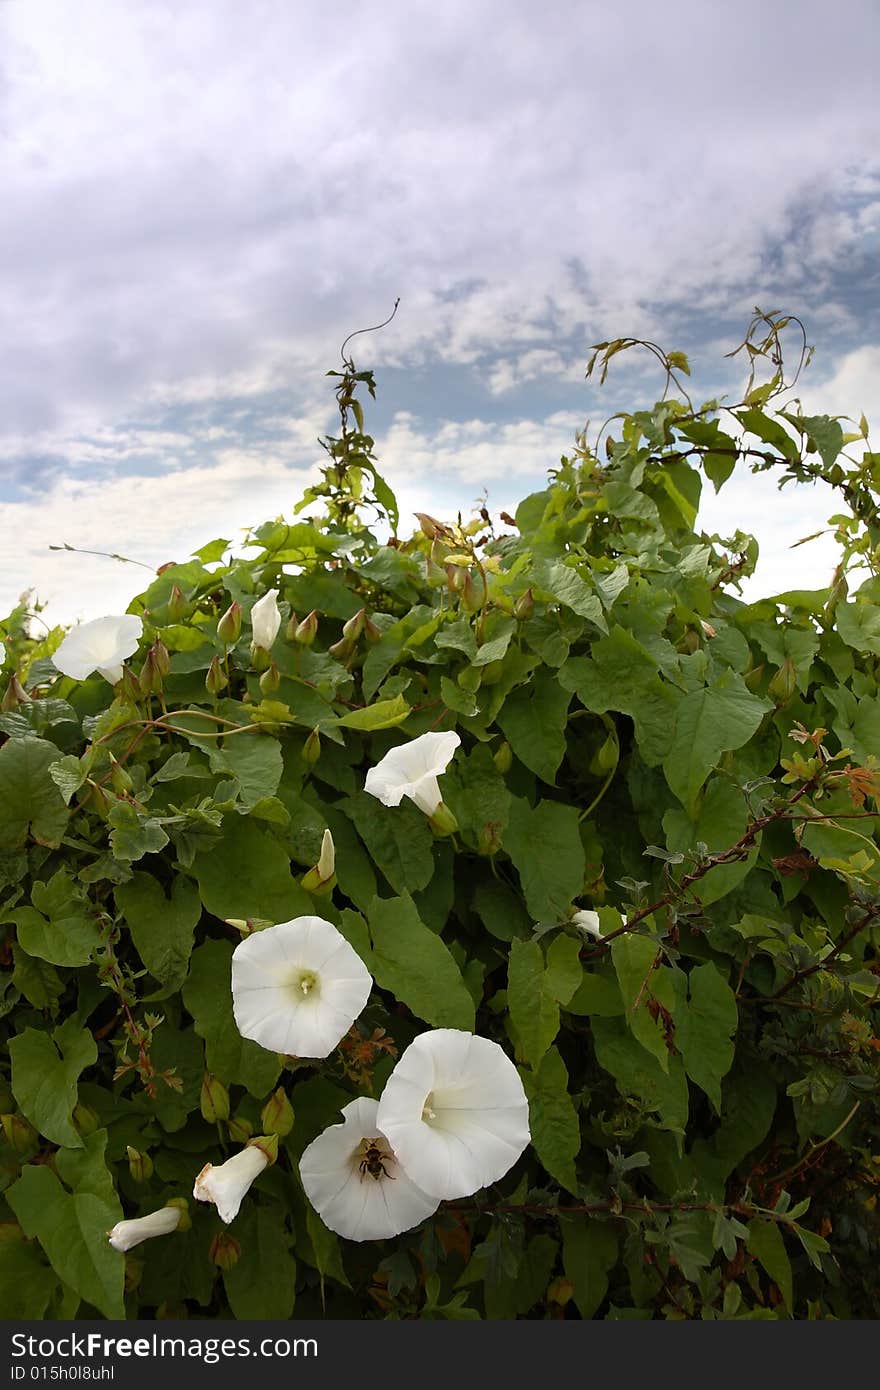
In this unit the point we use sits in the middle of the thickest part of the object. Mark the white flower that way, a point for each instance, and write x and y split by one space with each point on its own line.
353 1180
412 770
326 865
265 620
125 1234
455 1112
588 923
298 987
101 645
227 1184
2 653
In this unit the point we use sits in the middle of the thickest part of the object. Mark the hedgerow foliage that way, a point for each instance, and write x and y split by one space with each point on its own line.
636 739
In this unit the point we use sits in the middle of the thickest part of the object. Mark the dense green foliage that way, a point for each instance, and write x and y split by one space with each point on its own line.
636 739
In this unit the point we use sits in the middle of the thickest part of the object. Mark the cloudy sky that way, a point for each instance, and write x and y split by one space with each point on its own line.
200 201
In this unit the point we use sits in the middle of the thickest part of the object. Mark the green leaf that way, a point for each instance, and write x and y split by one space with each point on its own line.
384 714
768 1248
639 1074
45 1072
704 1030
564 969
414 964
26 1282
598 995
398 839
255 762
38 981
72 1229
262 1282
822 430
859 625
207 995
501 910
589 1252
711 721
748 1102
566 585
556 1134
161 928
533 719
30 802
59 927
534 1011
634 958
475 791
545 845
134 835
623 676
770 431
247 874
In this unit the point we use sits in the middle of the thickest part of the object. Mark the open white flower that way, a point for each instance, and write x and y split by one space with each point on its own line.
455 1112
265 620
298 987
588 922
355 1183
412 770
126 1234
227 1184
101 645
2 653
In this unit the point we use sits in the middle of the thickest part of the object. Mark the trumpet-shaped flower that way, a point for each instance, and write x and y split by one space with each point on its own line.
265 620
2 653
227 1184
126 1234
412 770
298 987
587 921
101 645
455 1112
352 1178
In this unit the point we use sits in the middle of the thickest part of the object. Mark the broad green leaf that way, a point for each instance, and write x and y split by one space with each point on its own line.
475 791
161 928
262 1282
710 721
635 958
37 980
30 801
822 430
748 1102
385 714
545 846
768 1248
623 676
534 1011
72 1227
412 962
859 625
254 761
564 969
45 1071
500 910
207 995
770 431
704 1030
597 994
134 835
533 719
27 1283
720 819
59 928
566 585
639 1074
556 1135
398 839
247 874
589 1252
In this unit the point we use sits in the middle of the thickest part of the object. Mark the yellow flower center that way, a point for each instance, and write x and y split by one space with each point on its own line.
305 983
428 1112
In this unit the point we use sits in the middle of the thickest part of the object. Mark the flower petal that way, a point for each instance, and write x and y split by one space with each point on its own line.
455 1112
358 1205
102 644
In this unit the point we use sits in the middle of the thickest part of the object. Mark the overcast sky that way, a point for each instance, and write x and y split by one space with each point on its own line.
200 201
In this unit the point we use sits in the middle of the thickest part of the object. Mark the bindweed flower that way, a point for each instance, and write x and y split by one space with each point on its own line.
356 1185
297 987
126 1234
588 923
227 1184
101 645
265 620
2 653
455 1112
412 770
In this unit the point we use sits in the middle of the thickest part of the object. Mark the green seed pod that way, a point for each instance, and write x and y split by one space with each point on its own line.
229 626
216 679
214 1099
139 1165
276 1116
270 680
503 757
